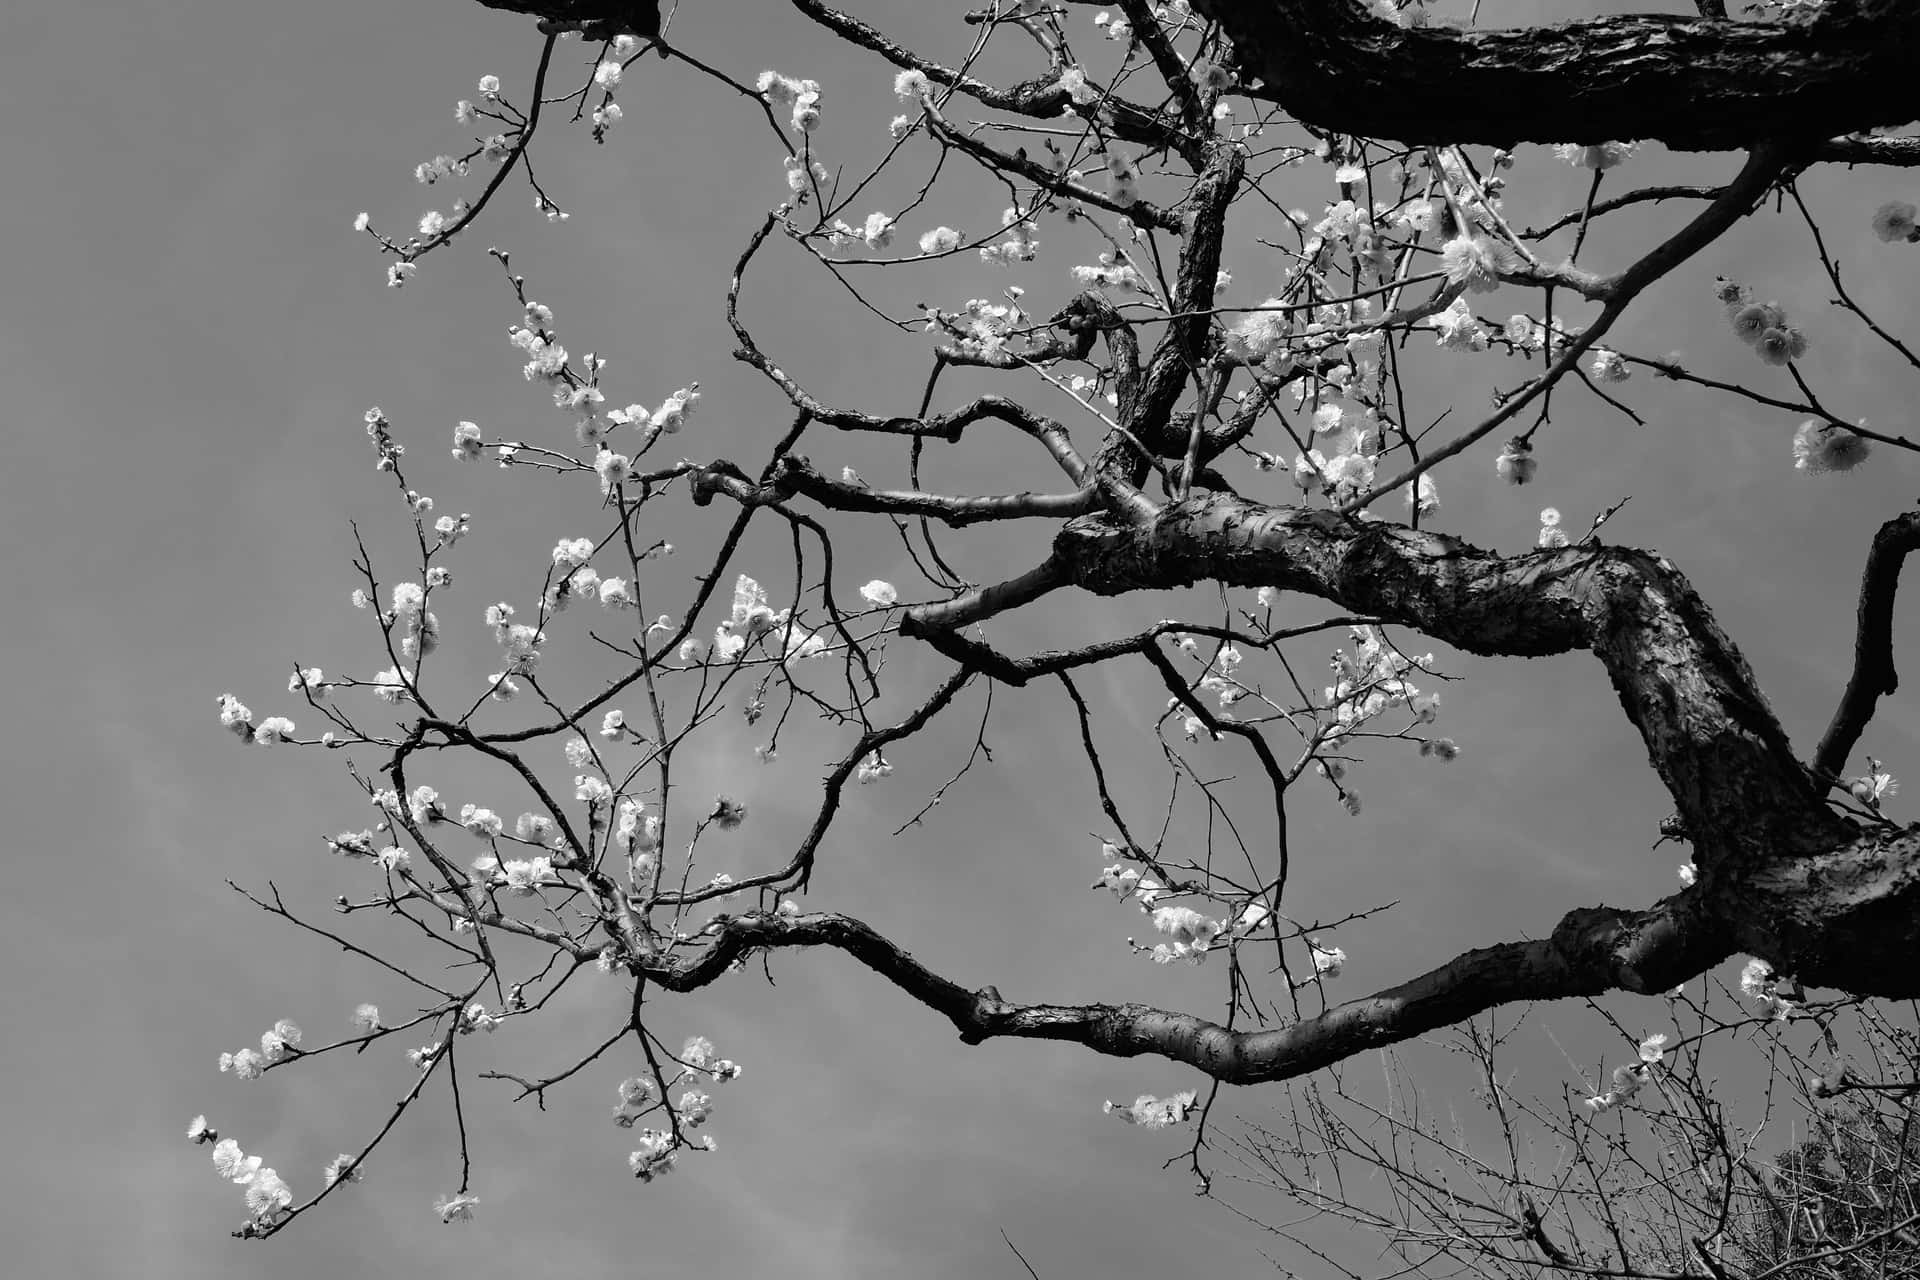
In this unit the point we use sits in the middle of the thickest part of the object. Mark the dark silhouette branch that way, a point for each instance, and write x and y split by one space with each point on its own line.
1873 669
1592 951
1694 83
1680 680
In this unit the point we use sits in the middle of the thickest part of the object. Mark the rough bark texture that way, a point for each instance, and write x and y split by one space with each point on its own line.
1693 83
1781 874
1682 683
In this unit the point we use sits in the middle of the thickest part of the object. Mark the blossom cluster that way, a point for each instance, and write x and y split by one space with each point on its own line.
1628 1078
1759 982
268 1196
1370 678
801 97
275 1044
658 1149
1344 463
1824 446
1761 325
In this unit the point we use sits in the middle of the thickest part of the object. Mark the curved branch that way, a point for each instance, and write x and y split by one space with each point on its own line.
794 474
1592 951
1873 670
1622 201
1697 84
978 656
1682 683
983 602
798 872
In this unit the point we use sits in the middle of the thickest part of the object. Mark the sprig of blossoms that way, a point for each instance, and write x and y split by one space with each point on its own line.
1328 962
1759 982
1761 325
1191 934
268 1195
802 96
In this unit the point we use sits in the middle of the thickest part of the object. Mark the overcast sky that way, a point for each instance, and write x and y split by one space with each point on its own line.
191 337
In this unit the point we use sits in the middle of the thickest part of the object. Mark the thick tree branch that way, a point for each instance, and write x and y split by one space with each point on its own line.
1680 680
796 475
1698 84
985 602
1183 345
1903 152
1873 670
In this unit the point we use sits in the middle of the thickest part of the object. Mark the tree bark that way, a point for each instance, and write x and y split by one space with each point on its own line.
1781 874
1694 83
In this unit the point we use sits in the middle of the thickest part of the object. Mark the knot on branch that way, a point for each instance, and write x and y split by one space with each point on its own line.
1585 927
716 477
988 1010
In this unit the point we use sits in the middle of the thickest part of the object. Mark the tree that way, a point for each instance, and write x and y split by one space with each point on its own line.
1157 140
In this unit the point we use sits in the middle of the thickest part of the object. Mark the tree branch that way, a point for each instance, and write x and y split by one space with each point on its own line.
1592 951
1040 98
1680 680
1696 84
794 474
1873 670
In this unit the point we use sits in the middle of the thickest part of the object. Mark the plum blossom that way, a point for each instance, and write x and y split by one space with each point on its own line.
939 240
1476 261
1873 786
1516 463
1822 446
1604 155
1895 220
456 1207
1150 1112
1192 934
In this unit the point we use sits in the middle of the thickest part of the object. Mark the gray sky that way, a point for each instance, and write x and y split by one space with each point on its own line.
192 336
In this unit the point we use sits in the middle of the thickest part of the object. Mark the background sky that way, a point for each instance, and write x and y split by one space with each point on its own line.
191 336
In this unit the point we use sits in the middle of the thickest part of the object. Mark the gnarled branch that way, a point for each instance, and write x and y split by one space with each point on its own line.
1592 951
1873 670
1694 83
